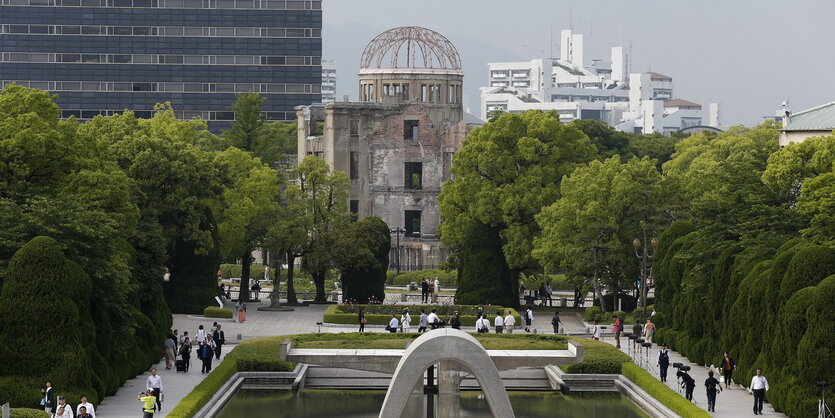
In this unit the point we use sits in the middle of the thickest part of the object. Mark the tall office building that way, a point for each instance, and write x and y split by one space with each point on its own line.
328 81
104 56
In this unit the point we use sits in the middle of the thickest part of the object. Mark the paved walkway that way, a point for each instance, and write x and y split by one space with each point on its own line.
730 403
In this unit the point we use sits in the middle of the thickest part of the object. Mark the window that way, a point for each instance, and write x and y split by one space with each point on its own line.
414 176
354 166
410 129
353 127
412 218
354 209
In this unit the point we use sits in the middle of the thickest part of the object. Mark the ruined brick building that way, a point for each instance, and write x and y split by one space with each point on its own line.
396 143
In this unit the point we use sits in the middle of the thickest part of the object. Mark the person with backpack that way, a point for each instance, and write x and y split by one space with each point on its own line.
482 324
555 322
711 384
185 353
663 362
528 319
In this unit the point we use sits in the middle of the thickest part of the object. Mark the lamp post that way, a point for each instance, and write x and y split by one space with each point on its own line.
644 252
397 231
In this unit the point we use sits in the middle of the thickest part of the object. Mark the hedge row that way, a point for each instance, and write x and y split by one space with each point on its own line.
381 314
255 355
598 358
448 279
216 312
661 392
706 294
27 413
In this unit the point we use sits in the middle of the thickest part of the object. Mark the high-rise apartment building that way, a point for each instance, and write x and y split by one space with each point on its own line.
104 56
328 81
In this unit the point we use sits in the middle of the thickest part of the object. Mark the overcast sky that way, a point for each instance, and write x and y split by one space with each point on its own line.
748 55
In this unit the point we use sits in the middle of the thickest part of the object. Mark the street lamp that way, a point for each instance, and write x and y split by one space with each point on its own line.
644 253
397 231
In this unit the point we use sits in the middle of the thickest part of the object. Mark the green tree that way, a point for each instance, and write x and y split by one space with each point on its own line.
249 128
602 208
363 258
250 206
502 177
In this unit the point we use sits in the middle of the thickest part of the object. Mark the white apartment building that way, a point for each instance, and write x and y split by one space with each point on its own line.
602 90
328 81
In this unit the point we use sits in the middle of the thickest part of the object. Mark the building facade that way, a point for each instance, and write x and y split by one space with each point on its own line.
104 56
603 90
817 121
328 81
396 144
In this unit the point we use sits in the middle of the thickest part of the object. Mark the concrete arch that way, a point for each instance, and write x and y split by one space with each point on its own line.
445 344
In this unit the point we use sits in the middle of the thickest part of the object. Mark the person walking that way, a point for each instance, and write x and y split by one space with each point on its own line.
528 319
596 331
482 324
555 322
155 384
499 322
433 320
711 385
455 321
617 325
392 326
509 323
241 308
406 321
361 319
437 286
759 387
728 367
424 319
48 400
183 337
64 409
689 384
219 339
169 346
424 290
205 352
548 292
649 331
663 362
201 334
185 353
148 400
88 407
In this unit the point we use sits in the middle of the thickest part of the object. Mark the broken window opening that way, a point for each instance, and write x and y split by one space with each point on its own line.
354 166
414 176
410 129
412 218
354 209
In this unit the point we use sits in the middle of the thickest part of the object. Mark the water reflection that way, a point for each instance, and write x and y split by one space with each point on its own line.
367 403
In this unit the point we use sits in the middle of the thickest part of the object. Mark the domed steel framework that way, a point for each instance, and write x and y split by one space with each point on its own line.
403 46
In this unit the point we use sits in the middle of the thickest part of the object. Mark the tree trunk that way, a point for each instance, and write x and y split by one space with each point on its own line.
246 262
319 281
291 290
275 296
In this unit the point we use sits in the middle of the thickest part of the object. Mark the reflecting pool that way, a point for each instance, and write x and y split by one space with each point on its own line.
367 403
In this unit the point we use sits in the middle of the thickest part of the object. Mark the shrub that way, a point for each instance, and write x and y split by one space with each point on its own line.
448 279
215 312
234 270
27 413
260 354
661 392
381 314
598 358
592 314
483 273
365 259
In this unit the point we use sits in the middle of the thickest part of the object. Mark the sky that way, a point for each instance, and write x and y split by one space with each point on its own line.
748 55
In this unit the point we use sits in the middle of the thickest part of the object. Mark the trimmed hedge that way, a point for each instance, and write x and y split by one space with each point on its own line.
598 358
448 279
28 413
255 355
661 392
381 314
215 312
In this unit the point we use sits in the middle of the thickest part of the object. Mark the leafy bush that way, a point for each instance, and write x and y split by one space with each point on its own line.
483 273
661 392
365 259
215 312
229 271
592 314
28 413
260 354
381 314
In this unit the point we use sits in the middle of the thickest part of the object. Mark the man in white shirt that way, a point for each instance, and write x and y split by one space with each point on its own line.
393 324
759 386
482 325
499 323
433 319
90 409
424 321
155 382
509 323
528 319
437 285
63 410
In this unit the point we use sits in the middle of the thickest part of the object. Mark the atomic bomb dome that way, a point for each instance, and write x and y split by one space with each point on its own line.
411 48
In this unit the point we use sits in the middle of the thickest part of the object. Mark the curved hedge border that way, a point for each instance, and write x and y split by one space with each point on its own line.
255 355
661 392
334 315
27 413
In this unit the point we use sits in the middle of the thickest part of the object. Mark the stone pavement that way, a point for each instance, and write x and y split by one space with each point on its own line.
730 403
